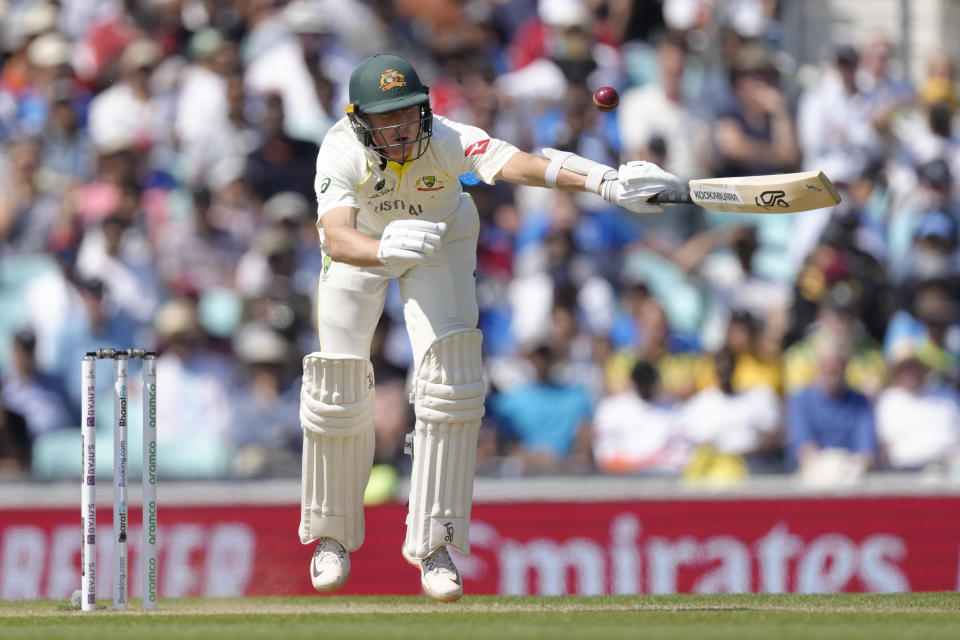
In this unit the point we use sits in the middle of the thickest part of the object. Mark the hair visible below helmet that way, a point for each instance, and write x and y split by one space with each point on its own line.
385 83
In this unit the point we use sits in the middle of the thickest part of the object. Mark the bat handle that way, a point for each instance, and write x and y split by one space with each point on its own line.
679 196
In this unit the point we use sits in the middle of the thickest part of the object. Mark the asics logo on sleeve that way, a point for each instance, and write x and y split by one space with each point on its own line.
477 148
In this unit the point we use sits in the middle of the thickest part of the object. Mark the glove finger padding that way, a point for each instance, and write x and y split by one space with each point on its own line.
409 241
635 200
641 175
426 243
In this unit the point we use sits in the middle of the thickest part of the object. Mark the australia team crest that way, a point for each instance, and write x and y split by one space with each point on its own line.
391 79
428 183
327 261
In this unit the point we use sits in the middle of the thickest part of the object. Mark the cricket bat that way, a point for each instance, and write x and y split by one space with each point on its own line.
778 193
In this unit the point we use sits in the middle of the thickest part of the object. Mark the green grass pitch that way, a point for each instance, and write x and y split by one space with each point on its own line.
926 616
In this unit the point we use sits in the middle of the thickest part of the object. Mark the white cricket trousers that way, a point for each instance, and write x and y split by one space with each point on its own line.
438 297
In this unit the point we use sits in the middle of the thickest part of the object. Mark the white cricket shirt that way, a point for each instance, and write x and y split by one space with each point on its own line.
427 188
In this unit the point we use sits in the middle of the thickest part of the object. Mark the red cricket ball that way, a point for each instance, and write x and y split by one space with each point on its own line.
606 99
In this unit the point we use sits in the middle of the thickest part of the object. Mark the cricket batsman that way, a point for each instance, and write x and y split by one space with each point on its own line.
391 206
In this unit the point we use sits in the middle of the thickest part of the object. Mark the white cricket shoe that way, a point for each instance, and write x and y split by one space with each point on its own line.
438 575
330 566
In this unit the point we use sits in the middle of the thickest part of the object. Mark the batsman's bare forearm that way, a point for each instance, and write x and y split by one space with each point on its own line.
344 243
529 170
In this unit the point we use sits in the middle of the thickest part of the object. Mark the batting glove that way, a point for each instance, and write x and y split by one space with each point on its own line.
636 182
409 242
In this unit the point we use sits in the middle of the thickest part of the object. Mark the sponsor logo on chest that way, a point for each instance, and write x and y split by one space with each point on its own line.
380 189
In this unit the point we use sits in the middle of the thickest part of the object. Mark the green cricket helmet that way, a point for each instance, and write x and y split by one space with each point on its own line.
385 83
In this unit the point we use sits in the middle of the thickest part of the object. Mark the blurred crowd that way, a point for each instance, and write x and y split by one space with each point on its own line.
156 190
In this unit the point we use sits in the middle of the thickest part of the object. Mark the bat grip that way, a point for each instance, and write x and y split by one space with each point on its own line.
679 196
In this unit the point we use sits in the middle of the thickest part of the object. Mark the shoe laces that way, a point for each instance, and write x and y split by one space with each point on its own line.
440 560
329 549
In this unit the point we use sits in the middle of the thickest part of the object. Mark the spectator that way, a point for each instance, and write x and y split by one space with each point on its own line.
656 122
48 57
228 141
887 92
15 449
830 427
833 124
731 430
24 28
117 254
280 163
926 131
573 349
541 270
67 151
27 212
730 281
545 424
127 114
755 365
836 316
281 59
291 211
203 106
197 254
647 335
197 433
931 322
928 189
264 430
918 423
933 253
840 272
51 300
100 324
276 302
758 137
634 432
37 396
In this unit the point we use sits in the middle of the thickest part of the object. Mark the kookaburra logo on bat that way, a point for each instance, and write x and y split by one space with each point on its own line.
772 198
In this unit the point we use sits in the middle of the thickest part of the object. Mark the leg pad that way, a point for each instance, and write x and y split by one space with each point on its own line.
336 413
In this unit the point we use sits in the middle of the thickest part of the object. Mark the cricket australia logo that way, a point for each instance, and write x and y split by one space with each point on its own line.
428 183
391 79
449 527
772 199
327 261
